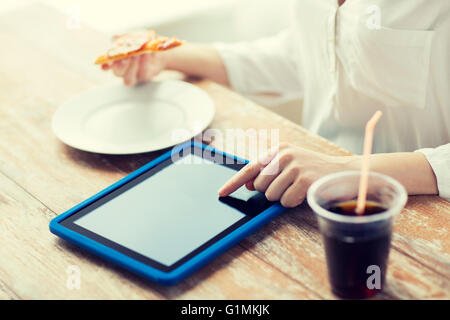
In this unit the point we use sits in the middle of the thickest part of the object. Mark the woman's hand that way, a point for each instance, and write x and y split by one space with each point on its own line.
287 173
198 60
137 69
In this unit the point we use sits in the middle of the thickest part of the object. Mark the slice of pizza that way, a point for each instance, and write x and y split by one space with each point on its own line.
137 43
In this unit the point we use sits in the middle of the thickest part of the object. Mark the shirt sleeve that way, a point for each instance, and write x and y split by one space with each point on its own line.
439 159
268 65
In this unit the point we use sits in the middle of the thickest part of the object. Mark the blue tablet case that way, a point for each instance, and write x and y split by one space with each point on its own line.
151 273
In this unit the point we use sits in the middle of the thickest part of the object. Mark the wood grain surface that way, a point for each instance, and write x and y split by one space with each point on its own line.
42 64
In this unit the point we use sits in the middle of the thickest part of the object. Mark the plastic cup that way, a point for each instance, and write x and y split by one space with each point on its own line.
356 247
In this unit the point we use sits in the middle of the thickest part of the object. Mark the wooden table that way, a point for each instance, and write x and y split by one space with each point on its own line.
43 63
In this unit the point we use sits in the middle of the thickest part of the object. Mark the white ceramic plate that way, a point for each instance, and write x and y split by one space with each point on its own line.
123 120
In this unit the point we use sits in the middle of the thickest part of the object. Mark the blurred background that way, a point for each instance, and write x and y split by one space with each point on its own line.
192 20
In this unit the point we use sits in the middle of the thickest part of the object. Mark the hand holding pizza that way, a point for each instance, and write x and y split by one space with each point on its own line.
137 69
136 57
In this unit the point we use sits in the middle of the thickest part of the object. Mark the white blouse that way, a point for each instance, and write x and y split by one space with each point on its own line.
347 62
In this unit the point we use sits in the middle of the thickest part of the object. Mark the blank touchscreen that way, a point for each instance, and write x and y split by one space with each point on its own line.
171 213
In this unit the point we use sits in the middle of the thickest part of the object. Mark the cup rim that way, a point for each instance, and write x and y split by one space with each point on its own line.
319 210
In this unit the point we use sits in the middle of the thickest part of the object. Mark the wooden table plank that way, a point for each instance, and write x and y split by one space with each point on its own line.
6 293
422 231
287 254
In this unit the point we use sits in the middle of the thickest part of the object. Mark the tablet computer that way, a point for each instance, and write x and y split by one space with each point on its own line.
166 220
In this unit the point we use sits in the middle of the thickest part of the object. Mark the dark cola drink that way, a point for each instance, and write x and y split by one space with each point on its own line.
356 246
354 257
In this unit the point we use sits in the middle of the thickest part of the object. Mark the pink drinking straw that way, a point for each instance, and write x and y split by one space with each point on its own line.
364 179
